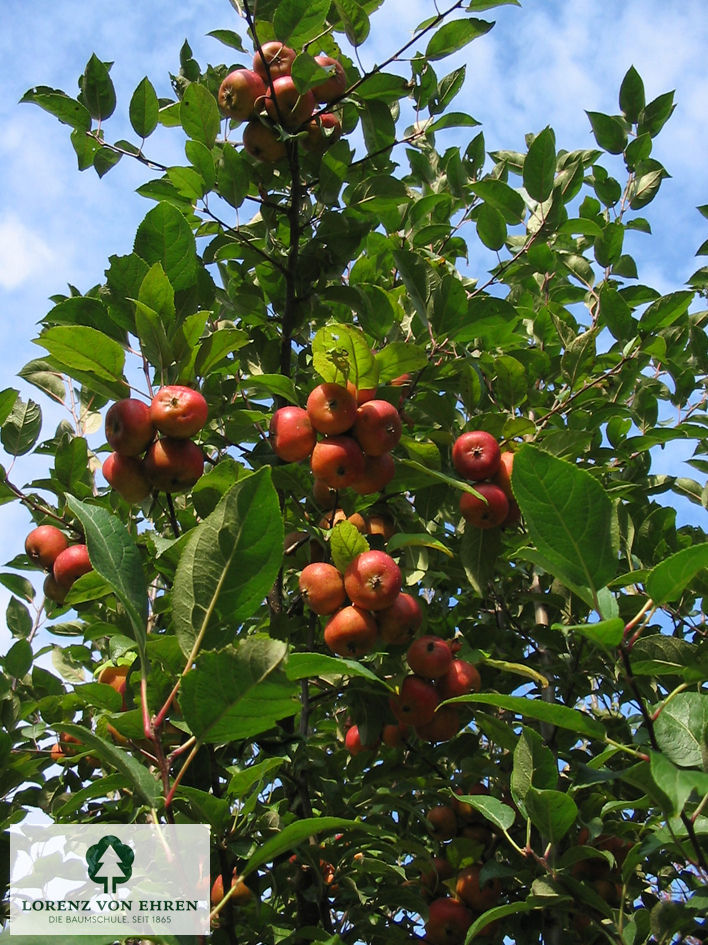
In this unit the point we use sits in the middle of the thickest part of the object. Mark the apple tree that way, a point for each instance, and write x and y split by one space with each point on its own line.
368 568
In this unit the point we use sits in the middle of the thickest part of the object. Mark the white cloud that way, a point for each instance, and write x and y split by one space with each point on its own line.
23 252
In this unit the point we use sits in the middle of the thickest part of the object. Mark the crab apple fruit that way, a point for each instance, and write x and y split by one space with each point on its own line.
128 426
432 879
378 472
377 427
127 476
116 677
178 411
476 895
262 143
487 512
241 892
429 657
461 678
335 85
443 726
322 132
322 587
173 465
416 701
380 525
338 461
351 632
44 544
448 922
443 822
353 742
291 434
400 622
332 518
373 580
324 495
464 810
239 92
502 477
279 60
331 408
362 394
53 590
476 455
393 734
71 564
286 105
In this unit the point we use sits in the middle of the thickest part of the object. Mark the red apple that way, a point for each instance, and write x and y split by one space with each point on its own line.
353 742
479 897
338 461
443 726
476 455
351 632
377 427
239 93
322 132
322 587
286 106
461 677
502 477
129 427
324 495
54 591
416 701
448 922
331 408
71 564
127 476
291 434
429 657
333 87
487 512
173 465
400 622
179 412
443 822
273 59
44 544
394 734
378 472
373 580
262 143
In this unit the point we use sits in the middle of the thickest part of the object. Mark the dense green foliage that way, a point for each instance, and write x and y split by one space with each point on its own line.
254 282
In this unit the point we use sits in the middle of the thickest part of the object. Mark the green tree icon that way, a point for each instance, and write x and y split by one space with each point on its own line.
110 862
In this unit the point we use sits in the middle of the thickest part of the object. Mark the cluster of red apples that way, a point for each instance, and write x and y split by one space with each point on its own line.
436 675
266 96
48 547
357 433
141 461
477 457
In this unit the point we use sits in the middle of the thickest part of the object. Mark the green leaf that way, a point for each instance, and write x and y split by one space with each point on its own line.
479 550
681 729
164 236
341 353
677 783
97 92
491 227
604 632
85 349
133 771
501 815
568 516
631 95
668 580
353 21
499 194
534 766
296 22
511 908
454 35
8 399
229 563
199 114
540 166
399 358
18 659
144 109
608 246
68 110
228 38
115 556
553 813
298 832
308 665
22 427
609 130
550 712
346 542
242 781
654 116
238 692
666 310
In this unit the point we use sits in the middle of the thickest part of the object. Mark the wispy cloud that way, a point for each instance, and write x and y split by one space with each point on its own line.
23 252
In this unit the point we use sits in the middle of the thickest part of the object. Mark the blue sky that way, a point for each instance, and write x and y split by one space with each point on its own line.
544 63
